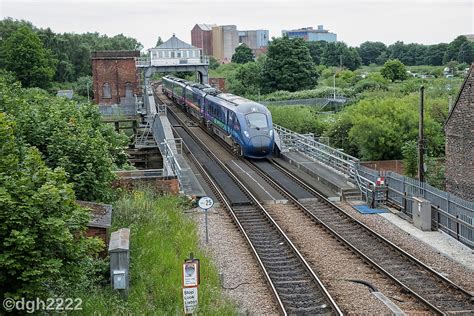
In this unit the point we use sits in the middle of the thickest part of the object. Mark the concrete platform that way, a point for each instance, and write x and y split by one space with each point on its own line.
263 192
329 182
438 240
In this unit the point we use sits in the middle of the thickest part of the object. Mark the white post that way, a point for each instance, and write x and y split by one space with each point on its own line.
334 86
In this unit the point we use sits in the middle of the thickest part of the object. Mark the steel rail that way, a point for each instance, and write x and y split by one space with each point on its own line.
357 222
324 291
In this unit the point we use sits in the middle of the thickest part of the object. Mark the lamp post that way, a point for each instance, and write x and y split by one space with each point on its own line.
334 86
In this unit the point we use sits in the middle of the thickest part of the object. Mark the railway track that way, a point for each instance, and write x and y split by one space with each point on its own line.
434 290
294 284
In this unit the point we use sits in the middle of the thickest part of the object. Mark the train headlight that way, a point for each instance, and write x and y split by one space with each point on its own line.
246 134
270 133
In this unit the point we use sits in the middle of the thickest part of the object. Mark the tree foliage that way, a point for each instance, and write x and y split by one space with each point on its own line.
247 79
394 70
68 136
339 54
378 128
243 54
42 228
72 51
288 66
23 53
370 52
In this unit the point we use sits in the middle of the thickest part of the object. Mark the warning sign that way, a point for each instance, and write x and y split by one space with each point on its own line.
190 274
190 298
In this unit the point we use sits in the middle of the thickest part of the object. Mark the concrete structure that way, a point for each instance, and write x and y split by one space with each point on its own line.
175 52
218 83
254 39
68 94
225 39
115 80
459 128
310 34
201 37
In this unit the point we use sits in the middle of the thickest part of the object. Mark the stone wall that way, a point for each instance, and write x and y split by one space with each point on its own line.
116 69
459 130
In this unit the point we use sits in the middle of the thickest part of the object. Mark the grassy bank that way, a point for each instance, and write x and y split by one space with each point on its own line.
161 238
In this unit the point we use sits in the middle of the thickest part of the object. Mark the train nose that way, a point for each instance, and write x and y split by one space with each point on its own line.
261 145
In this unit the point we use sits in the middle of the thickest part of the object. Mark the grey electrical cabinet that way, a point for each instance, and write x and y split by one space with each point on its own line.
421 214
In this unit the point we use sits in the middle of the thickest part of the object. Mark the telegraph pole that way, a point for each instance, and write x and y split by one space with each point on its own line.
421 142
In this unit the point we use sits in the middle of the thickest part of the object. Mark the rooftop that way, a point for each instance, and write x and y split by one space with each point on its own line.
175 43
206 27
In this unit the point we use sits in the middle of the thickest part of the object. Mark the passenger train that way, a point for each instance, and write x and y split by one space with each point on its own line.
243 124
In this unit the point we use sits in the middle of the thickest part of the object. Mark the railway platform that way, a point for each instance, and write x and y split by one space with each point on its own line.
332 184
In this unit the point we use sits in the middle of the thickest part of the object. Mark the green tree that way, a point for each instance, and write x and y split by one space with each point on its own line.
42 228
370 51
393 70
25 55
159 41
316 49
246 80
339 54
243 54
410 158
213 63
288 66
68 136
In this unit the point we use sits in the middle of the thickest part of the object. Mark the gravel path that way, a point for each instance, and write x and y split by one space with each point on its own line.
243 281
446 266
335 264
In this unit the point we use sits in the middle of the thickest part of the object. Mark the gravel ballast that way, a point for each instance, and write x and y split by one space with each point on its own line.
423 252
244 282
335 265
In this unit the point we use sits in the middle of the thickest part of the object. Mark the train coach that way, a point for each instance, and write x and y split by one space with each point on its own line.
246 126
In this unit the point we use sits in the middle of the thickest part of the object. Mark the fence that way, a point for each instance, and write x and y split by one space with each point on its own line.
451 214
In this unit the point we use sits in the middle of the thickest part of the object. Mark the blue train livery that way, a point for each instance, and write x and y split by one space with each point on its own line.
246 126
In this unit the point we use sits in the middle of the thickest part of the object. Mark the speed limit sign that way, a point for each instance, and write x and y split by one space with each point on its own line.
205 202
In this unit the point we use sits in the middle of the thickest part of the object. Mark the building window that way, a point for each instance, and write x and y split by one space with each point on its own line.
154 55
178 54
160 53
172 54
106 91
194 53
128 90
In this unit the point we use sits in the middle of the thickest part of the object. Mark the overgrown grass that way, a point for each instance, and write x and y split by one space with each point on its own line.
161 238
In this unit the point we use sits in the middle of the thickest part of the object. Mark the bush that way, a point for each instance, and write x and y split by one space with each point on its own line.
43 249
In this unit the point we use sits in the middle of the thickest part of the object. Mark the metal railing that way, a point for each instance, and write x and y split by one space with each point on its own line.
170 149
306 144
451 214
142 61
148 62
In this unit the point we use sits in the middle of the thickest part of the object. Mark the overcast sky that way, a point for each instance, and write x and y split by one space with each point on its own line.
356 21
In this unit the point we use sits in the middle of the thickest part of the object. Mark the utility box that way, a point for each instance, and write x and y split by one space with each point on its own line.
119 251
421 214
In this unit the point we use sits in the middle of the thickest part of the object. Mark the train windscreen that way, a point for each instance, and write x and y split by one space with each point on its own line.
256 120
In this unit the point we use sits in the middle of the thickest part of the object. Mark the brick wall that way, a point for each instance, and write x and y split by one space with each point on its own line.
202 39
160 185
459 130
117 68
385 165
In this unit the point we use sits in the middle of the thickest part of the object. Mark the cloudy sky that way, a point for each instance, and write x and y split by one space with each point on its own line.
354 21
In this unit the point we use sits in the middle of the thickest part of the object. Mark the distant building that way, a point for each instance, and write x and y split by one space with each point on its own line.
201 37
175 52
115 79
310 34
68 94
459 129
254 39
218 83
225 39
470 37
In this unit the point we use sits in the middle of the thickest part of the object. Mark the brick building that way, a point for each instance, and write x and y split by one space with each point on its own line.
459 128
201 36
115 79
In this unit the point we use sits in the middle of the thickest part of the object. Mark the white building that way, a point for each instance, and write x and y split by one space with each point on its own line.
175 52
